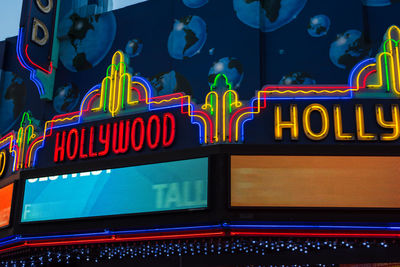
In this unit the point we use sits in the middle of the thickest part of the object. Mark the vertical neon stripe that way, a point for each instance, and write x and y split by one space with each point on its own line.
123 92
105 96
230 102
386 71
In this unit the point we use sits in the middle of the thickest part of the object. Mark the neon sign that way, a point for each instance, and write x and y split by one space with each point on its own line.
35 39
311 112
116 138
37 23
293 124
41 33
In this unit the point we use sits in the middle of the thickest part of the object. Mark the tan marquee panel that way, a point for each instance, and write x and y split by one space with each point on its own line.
315 181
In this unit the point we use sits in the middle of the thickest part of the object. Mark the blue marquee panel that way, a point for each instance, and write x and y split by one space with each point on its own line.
150 188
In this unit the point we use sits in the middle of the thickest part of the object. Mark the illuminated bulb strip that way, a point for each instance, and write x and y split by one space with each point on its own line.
113 239
322 234
224 230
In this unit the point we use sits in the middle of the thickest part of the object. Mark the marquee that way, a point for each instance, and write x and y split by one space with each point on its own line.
120 115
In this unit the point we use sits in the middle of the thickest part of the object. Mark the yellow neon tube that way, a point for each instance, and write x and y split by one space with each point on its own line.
293 124
393 124
337 117
3 162
324 122
361 134
236 103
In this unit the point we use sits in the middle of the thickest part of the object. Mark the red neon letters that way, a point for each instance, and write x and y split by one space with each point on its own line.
150 143
168 117
119 145
59 148
117 137
72 156
137 146
92 154
104 141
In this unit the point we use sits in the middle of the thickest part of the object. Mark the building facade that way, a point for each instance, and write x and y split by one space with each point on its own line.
201 133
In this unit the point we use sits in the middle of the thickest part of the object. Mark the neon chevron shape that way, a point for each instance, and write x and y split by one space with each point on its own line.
213 100
48 72
25 135
25 65
222 117
117 97
361 78
8 142
259 103
387 65
16 143
58 121
113 97
114 85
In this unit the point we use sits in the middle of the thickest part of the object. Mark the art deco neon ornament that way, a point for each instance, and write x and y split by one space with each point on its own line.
222 117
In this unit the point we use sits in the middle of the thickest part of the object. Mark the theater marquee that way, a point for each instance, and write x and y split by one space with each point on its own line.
121 116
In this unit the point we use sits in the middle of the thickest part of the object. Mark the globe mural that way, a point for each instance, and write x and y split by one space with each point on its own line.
133 48
348 49
13 100
318 25
229 66
211 51
195 3
267 15
376 2
187 37
297 78
170 82
85 41
66 98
